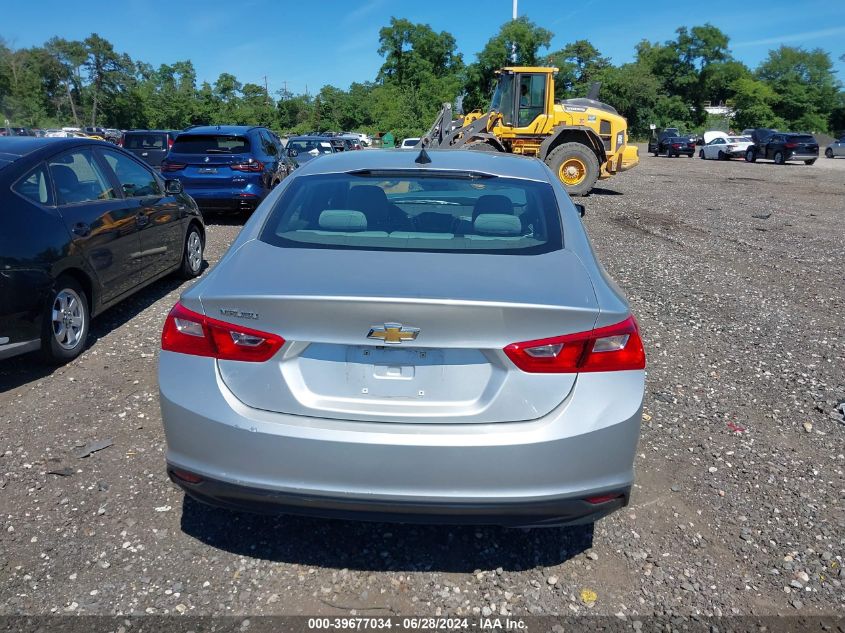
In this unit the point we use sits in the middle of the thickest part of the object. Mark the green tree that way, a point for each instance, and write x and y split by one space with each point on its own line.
805 84
520 35
579 65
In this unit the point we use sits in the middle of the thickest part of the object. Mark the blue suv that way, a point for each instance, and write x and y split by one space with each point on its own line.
225 167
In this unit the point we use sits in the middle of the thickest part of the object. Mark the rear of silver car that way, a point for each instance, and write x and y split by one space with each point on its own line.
406 383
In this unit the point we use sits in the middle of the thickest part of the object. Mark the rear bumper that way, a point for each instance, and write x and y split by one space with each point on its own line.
535 513
221 199
526 473
802 156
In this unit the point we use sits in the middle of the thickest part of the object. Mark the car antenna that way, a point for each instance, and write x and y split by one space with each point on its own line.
423 158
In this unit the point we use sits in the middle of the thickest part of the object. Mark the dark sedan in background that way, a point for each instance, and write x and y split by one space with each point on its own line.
83 224
676 146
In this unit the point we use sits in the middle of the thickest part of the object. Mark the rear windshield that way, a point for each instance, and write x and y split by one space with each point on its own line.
801 138
416 212
314 146
210 144
145 141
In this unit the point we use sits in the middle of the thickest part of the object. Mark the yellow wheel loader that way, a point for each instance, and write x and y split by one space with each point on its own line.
581 139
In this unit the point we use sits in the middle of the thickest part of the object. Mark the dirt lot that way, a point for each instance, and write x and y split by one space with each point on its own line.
737 274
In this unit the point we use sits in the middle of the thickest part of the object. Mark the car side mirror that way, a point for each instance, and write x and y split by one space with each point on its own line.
173 186
581 209
293 153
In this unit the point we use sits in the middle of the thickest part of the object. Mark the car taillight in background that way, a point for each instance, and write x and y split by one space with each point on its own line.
676 145
120 141
253 166
169 143
188 332
165 166
730 147
790 145
613 348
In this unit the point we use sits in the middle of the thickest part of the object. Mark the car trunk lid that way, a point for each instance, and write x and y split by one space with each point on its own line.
338 310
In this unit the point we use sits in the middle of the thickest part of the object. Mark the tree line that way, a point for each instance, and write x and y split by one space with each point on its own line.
69 82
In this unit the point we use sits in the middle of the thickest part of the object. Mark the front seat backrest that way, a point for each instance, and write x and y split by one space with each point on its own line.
67 184
372 202
492 204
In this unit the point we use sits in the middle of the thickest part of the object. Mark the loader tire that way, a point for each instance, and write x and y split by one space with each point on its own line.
481 146
576 166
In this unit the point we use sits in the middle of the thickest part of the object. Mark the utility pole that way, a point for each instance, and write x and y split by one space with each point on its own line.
267 92
513 44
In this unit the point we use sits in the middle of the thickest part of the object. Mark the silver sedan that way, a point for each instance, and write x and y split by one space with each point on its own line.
412 337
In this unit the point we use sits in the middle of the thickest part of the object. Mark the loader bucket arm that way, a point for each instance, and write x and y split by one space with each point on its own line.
441 127
442 136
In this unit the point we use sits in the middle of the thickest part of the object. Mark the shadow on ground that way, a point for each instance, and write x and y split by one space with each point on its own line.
599 191
381 546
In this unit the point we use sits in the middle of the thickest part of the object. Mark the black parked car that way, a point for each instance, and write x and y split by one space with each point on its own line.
659 135
151 146
83 225
782 147
225 167
675 146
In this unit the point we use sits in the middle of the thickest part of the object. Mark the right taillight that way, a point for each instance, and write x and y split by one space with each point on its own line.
166 166
188 332
613 348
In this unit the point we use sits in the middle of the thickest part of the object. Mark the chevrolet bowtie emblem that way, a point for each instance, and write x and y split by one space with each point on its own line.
393 333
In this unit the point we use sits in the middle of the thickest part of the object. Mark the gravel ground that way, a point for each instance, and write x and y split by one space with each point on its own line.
736 273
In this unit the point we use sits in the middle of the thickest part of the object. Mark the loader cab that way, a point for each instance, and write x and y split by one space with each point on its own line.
523 95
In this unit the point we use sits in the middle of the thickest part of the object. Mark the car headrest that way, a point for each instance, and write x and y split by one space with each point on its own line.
498 224
342 220
492 203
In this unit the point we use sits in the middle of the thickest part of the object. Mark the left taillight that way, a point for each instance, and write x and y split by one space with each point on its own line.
188 332
613 348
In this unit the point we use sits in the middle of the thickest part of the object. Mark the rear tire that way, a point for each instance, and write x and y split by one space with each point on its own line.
65 322
750 156
701 154
828 153
656 154
779 158
481 146
810 162
721 155
192 254
576 166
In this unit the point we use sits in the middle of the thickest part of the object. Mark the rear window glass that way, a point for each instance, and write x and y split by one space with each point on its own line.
416 212
145 141
210 144
314 146
35 186
802 138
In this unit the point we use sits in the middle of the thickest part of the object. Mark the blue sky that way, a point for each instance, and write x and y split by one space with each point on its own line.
317 42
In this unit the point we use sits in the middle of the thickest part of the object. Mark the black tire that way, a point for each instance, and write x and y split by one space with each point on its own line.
62 341
828 153
750 156
810 162
481 146
778 157
701 154
582 154
191 262
656 154
721 155
689 155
